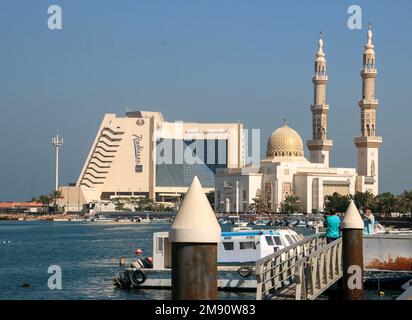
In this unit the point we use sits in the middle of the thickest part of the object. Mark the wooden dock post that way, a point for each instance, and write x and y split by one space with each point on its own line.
194 235
352 254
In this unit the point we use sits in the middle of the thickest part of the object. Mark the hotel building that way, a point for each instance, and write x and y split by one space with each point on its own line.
143 155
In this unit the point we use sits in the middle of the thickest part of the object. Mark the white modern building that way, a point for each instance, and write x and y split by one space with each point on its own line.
143 155
285 170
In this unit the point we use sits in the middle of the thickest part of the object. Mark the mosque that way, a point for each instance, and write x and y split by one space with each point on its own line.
286 171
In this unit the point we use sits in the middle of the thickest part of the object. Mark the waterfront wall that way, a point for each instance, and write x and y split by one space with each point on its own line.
388 252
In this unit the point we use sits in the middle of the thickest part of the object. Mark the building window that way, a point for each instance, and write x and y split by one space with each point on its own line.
277 241
160 244
247 245
269 241
107 195
209 156
289 239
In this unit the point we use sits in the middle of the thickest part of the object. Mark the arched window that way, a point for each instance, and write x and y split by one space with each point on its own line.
368 130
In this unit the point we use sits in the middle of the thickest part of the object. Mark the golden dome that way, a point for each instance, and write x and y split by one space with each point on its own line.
285 142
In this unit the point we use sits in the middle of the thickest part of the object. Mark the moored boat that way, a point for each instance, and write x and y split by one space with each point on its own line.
61 219
101 218
237 253
252 245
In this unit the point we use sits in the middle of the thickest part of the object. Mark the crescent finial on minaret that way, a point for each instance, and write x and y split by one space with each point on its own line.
370 34
320 45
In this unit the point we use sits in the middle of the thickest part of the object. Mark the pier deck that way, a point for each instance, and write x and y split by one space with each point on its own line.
302 271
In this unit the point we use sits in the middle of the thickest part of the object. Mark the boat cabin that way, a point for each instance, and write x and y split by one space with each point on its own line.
234 247
250 246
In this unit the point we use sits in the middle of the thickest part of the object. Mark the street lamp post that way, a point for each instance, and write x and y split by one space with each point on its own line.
57 142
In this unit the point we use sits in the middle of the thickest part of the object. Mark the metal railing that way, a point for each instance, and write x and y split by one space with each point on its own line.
318 271
277 271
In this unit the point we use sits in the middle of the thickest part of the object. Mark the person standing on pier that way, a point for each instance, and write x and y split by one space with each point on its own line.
332 223
369 222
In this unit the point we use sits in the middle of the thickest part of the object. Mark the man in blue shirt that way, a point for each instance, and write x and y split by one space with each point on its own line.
333 227
369 223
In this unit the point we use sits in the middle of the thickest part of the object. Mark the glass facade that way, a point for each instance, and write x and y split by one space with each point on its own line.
178 161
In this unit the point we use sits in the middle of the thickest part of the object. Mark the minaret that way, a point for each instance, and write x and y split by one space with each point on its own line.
368 143
319 146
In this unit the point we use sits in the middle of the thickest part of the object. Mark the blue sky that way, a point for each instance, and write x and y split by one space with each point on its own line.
221 61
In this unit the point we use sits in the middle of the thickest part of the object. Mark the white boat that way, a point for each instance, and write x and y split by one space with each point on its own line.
240 229
61 220
234 247
125 221
142 220
161 220
260 223
237 253
241 224
380 229
250 246
101 218
299 223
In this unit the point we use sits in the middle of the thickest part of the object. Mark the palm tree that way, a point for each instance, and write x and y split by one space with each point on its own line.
45 200
406 201
118 204
336 202
291 205
364 200
57 194
211 197
258 204
145 204
387 203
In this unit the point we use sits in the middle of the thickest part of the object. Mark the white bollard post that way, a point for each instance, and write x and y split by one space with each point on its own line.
194 235
352 254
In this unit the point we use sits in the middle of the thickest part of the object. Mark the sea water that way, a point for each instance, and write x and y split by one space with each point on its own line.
88 255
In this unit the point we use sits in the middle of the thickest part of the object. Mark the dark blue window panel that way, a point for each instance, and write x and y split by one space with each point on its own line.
181 175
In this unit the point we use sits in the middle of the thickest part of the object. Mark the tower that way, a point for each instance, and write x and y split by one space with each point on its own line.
319 146
368 143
